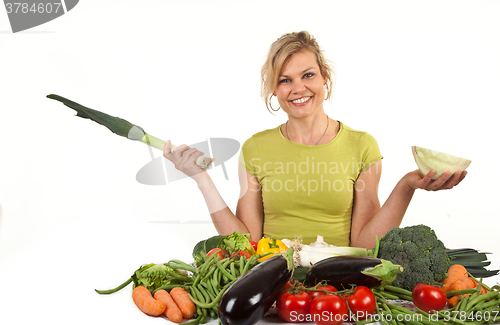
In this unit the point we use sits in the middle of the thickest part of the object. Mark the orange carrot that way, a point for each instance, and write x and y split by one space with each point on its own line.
172 312
465 283
453 301
185 304
455 272
146 303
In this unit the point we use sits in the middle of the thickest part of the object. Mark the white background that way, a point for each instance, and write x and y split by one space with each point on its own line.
72 216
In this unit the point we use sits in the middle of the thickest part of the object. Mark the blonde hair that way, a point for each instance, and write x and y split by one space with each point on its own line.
279 54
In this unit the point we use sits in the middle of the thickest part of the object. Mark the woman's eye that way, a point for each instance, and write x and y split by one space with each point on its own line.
309 75
282 81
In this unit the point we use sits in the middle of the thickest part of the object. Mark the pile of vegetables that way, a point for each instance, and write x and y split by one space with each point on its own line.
238 281
182 291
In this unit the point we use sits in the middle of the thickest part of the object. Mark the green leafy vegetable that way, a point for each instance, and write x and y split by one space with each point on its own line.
237 242
473 260
153 276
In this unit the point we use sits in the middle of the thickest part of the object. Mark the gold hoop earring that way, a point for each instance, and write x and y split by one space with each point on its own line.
271 106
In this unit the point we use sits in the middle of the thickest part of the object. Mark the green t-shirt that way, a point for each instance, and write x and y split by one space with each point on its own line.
309 190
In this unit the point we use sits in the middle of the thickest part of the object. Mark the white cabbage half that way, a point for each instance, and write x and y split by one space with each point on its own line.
427 159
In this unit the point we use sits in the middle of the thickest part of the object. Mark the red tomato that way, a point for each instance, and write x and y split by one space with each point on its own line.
293 308
329 310
428 298
362 302
218 251
315 294
241 253
291 283
254 244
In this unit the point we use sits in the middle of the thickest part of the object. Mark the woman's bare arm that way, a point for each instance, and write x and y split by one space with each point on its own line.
370 220
249 213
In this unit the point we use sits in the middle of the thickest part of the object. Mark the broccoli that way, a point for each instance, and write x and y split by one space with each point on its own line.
419 251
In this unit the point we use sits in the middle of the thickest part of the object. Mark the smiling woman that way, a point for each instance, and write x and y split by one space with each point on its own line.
340 204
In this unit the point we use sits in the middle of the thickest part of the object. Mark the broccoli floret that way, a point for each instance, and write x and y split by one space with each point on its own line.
419 251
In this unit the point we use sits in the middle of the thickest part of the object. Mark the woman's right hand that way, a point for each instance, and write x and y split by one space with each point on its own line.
184 159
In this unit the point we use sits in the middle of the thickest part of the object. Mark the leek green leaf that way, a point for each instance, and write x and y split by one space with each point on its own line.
115 124
122 127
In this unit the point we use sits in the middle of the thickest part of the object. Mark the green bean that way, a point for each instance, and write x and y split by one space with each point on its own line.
121 286
400 308
219 275
212 295
463 303
232 268
409 298
203 269
215 280
479 305
398 290
224 271
259 256
491 303
377 310
388 310
204 293
178 264
450 294
208 285
249 264
199 311
388 295
208 298
202 300
215 301
207 263
243 259
486 296
210 272
379 295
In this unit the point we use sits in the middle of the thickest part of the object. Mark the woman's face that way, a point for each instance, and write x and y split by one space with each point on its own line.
300 89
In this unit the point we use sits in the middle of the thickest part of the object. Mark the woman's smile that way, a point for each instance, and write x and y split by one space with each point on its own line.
301 101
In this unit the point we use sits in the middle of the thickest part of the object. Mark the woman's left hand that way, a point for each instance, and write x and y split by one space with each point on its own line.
445 182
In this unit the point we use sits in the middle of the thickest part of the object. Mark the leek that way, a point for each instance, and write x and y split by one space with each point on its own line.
123 127
319 250
473 260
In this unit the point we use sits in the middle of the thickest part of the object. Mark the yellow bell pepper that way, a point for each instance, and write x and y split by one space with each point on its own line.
270 245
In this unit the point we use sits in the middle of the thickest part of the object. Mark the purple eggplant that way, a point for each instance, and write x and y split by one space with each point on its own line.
247 300
344 271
